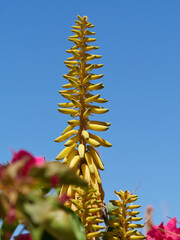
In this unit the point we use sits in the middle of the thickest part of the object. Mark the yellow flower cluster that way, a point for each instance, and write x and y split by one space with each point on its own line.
121 219
80 151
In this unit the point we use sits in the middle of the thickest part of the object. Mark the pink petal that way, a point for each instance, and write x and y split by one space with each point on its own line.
19 155
26 236
11 216
54 181
156 233
63 198
171 225
39 161
166 233
31 160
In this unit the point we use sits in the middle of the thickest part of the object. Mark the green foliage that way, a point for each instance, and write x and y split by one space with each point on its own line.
23 200
50 217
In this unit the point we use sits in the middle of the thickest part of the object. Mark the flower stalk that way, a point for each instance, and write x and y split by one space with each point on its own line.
80 151
120 224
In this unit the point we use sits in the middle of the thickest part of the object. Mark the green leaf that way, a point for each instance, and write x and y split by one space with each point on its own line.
78 227
64 224
58 190
111 207
47 214
36 232
36 209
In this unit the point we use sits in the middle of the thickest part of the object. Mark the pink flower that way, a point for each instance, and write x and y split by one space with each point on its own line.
54 181
26 236
11 216
168 232
63 198
31 160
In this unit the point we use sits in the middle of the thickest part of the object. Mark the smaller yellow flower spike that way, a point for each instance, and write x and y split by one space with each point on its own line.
122 216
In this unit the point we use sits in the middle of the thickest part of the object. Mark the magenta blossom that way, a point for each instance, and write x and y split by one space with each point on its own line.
63 198
31 160
26 236
168 232
11 216
54 181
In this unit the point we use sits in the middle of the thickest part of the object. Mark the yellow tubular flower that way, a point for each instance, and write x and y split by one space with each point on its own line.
80 153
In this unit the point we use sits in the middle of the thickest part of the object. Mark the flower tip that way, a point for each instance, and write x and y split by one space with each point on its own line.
19 155
31 161
40 161
85 18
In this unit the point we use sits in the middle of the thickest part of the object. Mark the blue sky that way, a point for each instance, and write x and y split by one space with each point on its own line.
139 41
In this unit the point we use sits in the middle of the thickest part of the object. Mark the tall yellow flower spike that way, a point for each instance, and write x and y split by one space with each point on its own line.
79 152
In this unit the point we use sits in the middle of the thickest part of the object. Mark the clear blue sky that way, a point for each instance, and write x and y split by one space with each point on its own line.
140 44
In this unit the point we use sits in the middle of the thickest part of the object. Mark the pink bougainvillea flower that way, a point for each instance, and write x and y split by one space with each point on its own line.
172 228
63 198
11 216
168 232
154 233
31 160
26 236
54 181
